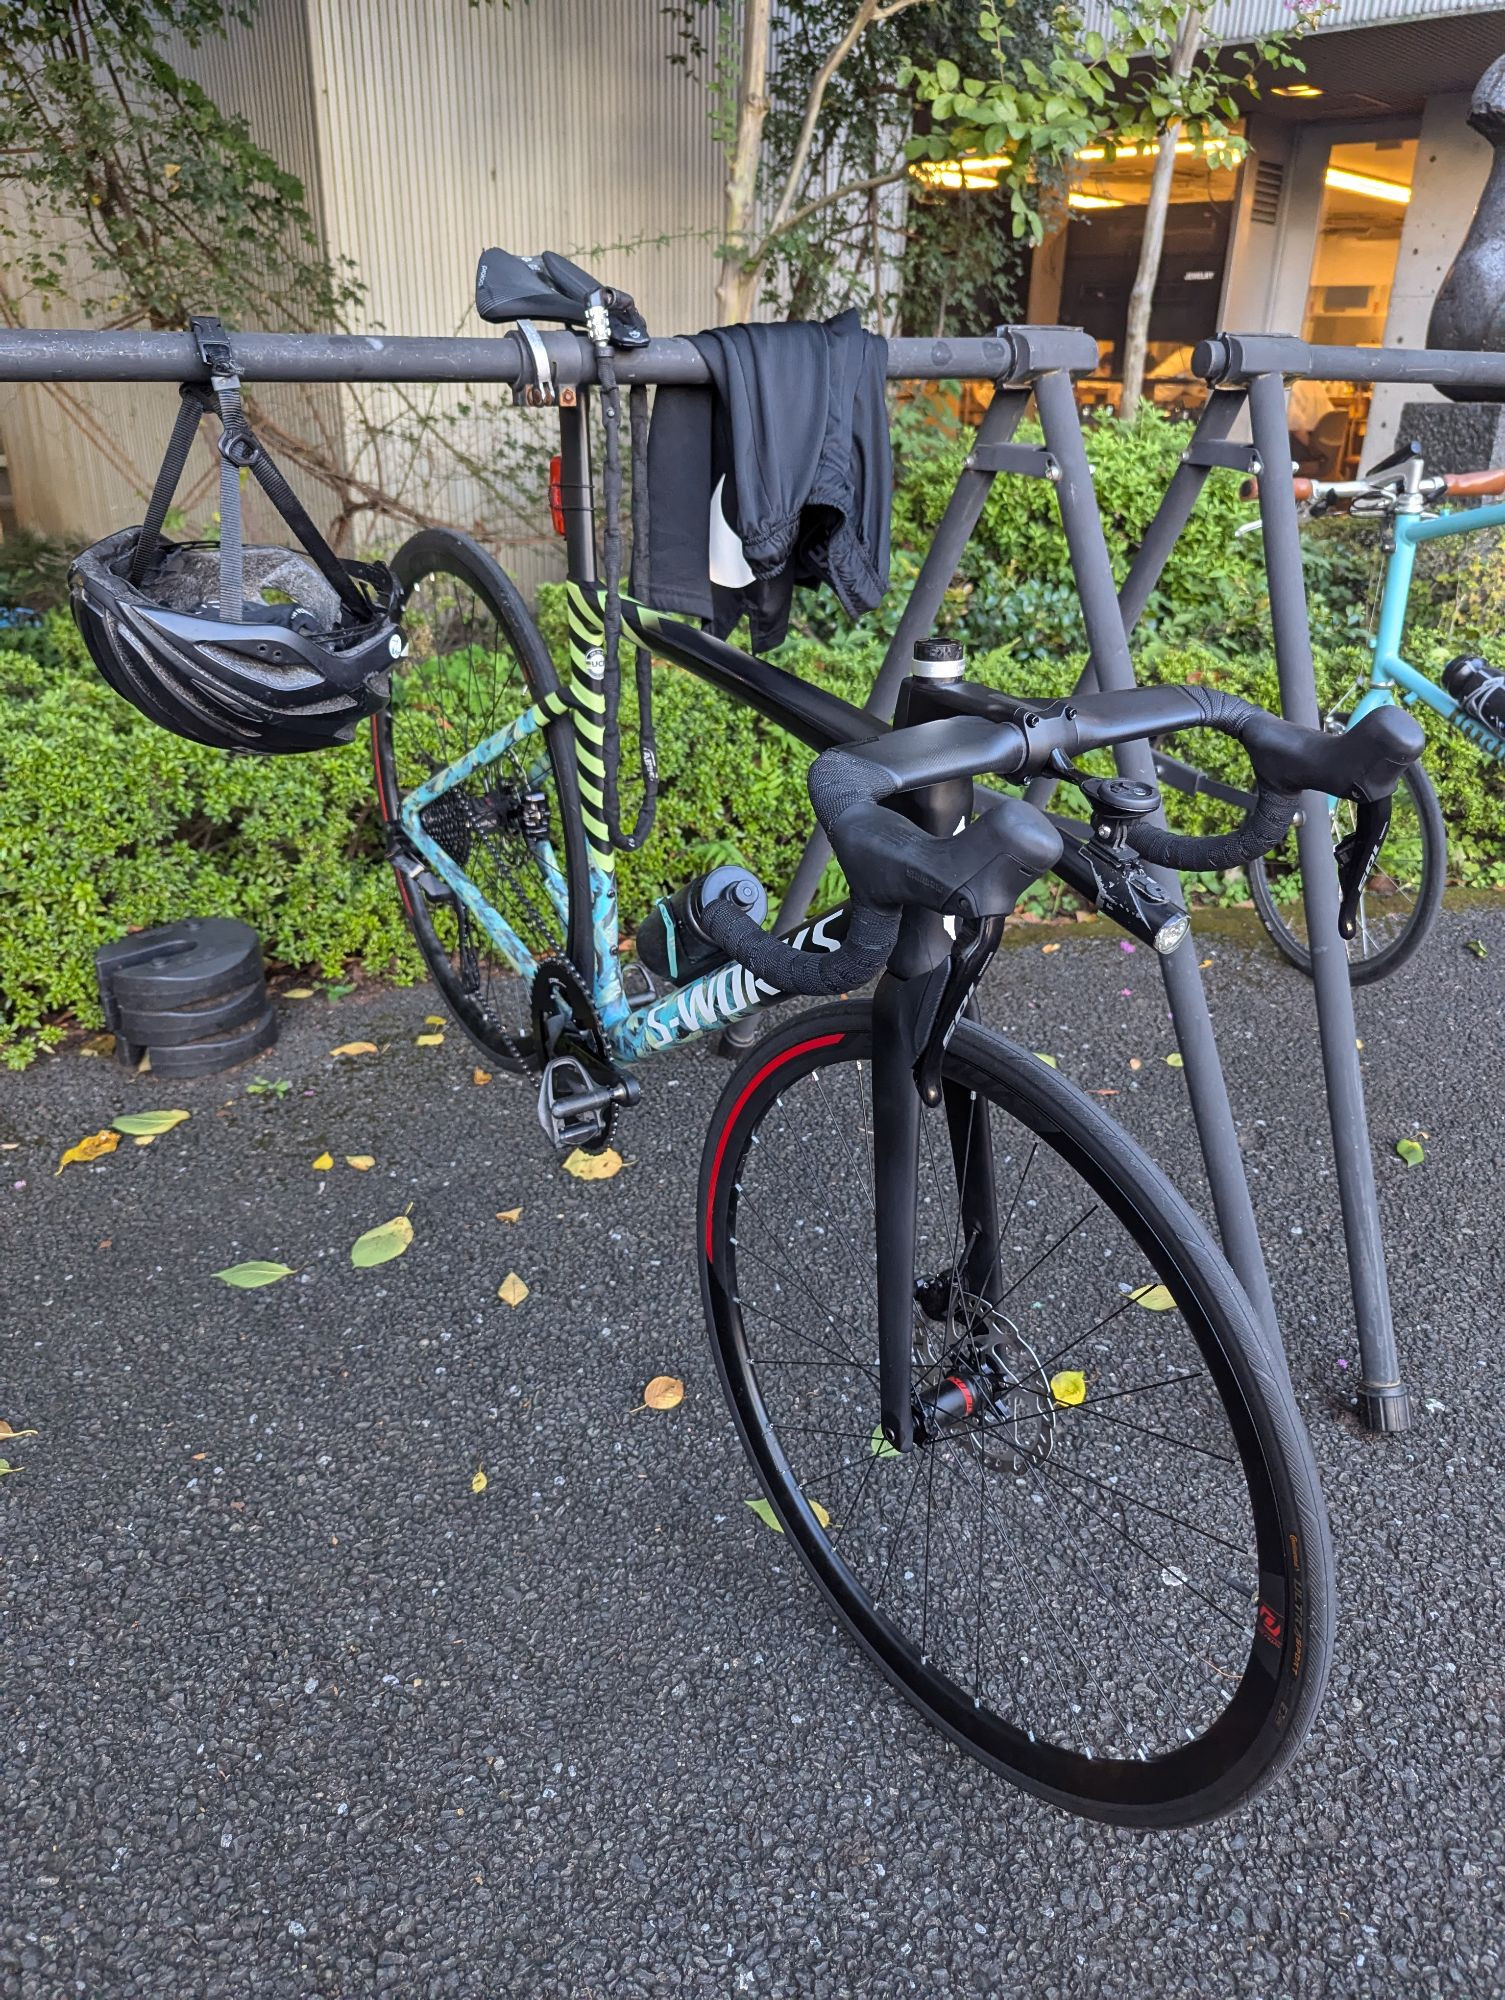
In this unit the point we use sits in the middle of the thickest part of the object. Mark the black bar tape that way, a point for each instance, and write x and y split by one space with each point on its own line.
870 939
1264 827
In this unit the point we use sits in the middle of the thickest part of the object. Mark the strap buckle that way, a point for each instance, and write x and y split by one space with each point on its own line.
215 353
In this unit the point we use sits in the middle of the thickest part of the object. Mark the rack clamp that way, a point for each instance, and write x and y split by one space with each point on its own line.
541 390
1218 452
213 344
1033 460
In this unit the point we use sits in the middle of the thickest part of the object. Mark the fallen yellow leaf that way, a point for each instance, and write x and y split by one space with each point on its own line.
1173 1060
7 1432
594 1166
1154 1298
1047 949
512 1291
664 1392
299 993
480 1076
433 1021
1069 1387
428 1041
362 1162
93 1148
478 1481
508 1214
323 1163
354 1049
1049 1061
145 1139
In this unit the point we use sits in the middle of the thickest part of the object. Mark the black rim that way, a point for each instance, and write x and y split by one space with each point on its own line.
475 661
976 1570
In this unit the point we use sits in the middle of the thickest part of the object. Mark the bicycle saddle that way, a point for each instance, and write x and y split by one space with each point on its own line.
550 287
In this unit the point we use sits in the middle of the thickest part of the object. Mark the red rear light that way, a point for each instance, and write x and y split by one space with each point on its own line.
556 493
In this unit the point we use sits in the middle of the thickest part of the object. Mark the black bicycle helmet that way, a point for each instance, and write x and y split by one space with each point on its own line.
258 649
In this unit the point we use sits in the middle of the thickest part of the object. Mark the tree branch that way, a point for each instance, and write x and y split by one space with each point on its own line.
868 11
825 201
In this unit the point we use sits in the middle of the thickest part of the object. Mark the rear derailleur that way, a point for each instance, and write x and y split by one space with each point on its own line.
580 1091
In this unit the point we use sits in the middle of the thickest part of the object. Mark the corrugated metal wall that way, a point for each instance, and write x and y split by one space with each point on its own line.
63 482
424 130
444 129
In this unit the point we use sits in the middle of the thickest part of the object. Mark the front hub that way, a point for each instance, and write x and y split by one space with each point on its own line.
990 1391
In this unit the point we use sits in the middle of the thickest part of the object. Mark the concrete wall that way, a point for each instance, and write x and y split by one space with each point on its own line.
1452 164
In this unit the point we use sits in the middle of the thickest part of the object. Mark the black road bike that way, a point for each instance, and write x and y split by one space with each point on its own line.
1005 1396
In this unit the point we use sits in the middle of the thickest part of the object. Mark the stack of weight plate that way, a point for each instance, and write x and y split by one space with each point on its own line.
191 995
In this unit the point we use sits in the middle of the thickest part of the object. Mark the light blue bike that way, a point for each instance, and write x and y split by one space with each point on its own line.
1404 893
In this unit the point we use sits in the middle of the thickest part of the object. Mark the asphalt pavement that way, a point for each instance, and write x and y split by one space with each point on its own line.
292 1710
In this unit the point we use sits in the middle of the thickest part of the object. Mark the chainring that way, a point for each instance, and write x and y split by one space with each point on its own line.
565 1023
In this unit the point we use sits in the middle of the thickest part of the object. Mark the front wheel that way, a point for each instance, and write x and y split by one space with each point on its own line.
1400 900
1109 1576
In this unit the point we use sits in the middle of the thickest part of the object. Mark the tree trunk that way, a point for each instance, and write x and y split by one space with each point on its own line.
1137 331
736 285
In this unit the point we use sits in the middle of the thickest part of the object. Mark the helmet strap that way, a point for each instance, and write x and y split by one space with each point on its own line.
239 450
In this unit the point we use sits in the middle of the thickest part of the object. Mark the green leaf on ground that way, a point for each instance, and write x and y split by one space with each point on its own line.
879 1445
148 1124
1410 1152
381 1245
252 1275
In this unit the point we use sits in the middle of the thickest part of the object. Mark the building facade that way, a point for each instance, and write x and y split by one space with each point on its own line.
424 130
1355 195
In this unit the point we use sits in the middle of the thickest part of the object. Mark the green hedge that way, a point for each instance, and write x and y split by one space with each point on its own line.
106 821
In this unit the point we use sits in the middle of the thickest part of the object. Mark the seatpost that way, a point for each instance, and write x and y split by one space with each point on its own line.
577 498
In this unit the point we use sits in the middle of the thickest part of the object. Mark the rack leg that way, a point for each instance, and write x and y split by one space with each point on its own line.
1384 1403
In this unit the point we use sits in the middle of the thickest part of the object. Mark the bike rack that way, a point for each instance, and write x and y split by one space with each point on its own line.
1023 362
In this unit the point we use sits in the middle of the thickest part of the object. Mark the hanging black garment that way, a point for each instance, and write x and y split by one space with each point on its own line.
777 474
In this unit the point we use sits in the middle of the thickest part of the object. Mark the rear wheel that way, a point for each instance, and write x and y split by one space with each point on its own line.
1400 900
476 662
1107 1573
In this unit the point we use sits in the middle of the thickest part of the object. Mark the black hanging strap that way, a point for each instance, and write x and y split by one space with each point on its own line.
239 450
611 538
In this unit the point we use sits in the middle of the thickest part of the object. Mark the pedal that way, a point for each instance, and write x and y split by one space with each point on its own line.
573 1109
637 983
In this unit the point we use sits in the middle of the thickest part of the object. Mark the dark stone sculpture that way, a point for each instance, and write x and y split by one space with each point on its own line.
1469 310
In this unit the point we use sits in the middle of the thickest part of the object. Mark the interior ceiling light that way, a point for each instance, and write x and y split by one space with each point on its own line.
972 172
1075 200
1296 90
1370 184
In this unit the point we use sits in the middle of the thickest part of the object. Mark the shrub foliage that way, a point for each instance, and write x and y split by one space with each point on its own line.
107 822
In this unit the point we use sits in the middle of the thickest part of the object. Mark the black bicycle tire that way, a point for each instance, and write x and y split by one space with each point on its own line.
1071 1122
441 551
1434 869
